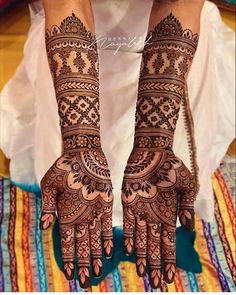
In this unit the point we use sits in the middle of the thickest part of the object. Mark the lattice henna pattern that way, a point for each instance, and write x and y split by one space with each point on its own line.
157 186
73 59
78 186
165 64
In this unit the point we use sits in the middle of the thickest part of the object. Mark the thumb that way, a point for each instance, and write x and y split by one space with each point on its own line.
187 198
49 195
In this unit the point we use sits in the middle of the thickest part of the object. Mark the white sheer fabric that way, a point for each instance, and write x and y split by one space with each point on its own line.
29 126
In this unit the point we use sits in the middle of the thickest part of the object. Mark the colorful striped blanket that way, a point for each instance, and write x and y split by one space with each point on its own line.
27 260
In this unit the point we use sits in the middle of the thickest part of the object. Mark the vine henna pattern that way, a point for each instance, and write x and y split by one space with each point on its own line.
157 186
78 187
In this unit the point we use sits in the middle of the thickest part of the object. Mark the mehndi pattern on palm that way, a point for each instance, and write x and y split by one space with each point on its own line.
78 186
157 186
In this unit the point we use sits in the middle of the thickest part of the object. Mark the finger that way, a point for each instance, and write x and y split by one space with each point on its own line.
83 254
187 197
141 246
168 237
154 254
96 247
107 234
68 249
49 195
128 227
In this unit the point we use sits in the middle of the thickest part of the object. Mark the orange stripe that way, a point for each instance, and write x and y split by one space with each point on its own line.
200 282
103 286
178 283
228 200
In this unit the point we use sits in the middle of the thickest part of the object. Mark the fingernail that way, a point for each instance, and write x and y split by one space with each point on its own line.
141 267
84 277
97 267
69 270
169 274
129 246
155 278
108 247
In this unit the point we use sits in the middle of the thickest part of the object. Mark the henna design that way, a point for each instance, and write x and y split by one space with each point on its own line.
157 186
78 186
73 59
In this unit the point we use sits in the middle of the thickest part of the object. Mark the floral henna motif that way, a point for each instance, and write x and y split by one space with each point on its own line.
78 186
157 186
152 196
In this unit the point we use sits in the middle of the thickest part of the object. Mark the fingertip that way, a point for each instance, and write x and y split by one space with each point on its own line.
69 270
169 273
129 246
155 278
108 248
46 220
187 219
97 267
84 277
141 267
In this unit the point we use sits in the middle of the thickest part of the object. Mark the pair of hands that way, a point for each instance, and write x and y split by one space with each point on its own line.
156 187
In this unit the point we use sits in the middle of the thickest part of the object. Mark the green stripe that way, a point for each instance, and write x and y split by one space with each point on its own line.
39 248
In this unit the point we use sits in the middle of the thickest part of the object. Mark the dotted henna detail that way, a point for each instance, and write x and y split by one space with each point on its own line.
77 188
73 59
157 186
169 51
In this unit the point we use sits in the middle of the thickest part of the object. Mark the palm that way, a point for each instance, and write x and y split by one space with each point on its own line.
155 185
78 187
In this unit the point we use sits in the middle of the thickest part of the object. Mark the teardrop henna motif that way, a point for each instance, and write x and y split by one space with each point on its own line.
157 185
78 186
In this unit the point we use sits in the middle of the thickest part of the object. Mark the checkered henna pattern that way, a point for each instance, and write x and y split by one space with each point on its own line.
157 186
78 186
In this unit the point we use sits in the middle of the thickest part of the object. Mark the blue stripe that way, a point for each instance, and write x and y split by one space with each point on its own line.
117 280
193 282
39 248
72 286
147 284
1 218
5 223
214 257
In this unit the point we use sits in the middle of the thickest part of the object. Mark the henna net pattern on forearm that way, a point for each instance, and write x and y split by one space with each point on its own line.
157 185
78 185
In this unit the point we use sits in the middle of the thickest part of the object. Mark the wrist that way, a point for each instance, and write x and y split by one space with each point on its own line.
153 139
82 137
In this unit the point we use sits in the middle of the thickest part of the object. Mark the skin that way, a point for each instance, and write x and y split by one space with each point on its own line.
157 186
78 186
182 9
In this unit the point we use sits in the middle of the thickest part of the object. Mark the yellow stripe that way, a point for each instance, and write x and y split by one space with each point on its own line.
171 288
209 275
96 289
133 280
224 213
18 240
60 283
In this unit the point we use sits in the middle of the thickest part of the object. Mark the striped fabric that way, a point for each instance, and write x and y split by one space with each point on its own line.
27 261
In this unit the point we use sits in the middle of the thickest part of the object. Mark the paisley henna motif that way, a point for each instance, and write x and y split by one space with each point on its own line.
157 186
78 186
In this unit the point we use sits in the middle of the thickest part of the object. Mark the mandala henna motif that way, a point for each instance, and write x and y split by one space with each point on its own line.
78 186
157 186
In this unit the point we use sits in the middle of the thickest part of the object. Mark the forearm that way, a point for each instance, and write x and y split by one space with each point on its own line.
167 57
73 61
